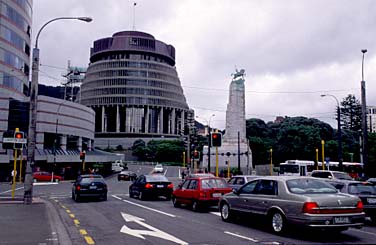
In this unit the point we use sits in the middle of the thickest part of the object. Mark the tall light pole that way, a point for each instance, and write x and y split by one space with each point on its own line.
364 117
209 138
340 158
28 186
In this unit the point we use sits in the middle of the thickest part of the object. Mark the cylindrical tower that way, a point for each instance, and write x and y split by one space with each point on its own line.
132 85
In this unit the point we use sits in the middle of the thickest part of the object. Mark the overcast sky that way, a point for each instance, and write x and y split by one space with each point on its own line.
292 51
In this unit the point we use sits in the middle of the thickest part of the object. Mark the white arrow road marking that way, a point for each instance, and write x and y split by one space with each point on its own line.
145 207
151 232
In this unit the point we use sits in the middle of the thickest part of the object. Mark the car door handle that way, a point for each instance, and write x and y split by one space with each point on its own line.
245 200
263 202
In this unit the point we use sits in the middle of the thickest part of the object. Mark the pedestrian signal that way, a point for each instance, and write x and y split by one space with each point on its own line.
82 155
19 140
196 155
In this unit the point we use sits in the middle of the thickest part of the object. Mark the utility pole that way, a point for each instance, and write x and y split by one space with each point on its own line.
209 146
238 152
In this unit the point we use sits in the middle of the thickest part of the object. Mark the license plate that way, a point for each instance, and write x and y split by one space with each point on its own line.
371 200
217 194
341 220
92 187
160 186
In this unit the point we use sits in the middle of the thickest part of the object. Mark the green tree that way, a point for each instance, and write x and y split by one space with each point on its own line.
351 113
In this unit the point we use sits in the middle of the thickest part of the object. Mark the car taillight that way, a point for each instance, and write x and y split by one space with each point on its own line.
310 208
171 186
359 206
78 187
148 186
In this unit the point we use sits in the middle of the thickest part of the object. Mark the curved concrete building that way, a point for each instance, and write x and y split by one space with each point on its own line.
134 89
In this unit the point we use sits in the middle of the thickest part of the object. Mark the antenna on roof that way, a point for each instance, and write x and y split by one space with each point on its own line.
134 16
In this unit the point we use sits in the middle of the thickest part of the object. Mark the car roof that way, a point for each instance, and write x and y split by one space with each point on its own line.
328 171
91 176
252 176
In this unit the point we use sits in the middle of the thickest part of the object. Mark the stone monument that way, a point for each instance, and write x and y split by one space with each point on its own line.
234 149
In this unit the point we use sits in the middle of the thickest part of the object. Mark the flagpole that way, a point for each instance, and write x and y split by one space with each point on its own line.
134 16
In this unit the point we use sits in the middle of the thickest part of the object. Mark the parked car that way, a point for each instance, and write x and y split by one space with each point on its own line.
200 191
372 180
151 186
239 180
45 176
127 175
158 168
303 201
117 166
328 174
366 191
89 185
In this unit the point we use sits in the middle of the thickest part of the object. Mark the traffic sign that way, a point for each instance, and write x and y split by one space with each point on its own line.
15 140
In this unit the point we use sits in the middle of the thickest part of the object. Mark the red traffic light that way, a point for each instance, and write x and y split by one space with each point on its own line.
18 135
214 136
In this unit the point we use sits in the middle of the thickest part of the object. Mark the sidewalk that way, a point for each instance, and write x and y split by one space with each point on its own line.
38 223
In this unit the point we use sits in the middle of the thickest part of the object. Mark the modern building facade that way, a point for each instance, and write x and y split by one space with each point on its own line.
133 87
371 119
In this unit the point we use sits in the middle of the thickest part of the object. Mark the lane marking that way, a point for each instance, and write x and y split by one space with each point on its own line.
19 188
68 211
165 171
89 240
72 216
216 213
83 232
76 222
45 183
240 236
365 232
145 207
63 207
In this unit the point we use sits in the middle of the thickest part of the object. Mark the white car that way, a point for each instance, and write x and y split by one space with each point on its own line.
158 168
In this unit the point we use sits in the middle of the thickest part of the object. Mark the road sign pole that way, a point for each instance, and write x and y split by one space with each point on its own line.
14 172
323 155
20 176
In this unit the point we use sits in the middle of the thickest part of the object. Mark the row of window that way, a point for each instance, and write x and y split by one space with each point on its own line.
125 91
142 42
11 81
15 39
126 73
126 82
16 18
133 101
131 64
128 56
25 5
13 60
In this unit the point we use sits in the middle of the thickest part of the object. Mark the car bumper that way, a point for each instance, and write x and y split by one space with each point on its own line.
158 192
91 193
328 221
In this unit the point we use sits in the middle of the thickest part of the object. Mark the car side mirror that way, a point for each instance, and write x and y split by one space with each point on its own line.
235 191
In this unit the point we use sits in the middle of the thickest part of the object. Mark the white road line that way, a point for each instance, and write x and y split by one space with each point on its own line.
165 171
365 232
179 174
216 213
11 190
244 237
145 207
45 183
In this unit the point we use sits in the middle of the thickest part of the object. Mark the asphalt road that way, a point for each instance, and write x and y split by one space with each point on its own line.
124 220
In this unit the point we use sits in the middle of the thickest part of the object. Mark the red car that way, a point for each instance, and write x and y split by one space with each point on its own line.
200 191
45 176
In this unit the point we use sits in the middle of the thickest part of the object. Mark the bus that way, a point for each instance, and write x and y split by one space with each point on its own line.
304 167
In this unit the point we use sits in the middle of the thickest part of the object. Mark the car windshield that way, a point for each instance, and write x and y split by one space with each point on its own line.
362 188
152 178
339 175
92 179
213 183
309 186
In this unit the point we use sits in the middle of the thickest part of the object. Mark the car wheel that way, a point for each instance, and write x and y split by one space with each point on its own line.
175 202
72 195
35 180
119 179
373 219
168 197
195 206
131 195
104 197
226 213
278 222
76 197
56 180
141 195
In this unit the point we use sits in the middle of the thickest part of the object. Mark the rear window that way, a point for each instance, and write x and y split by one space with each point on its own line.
309 186
362 188
156 178
344 176
213 183
92 179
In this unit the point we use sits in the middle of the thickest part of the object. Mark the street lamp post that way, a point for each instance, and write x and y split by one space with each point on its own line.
364 117
209 138
340 158
55 140
28 185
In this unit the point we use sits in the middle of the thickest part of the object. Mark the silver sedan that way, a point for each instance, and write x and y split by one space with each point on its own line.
286 200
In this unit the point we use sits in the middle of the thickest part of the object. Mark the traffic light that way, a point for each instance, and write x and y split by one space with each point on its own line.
196 155
82 155
18 136
8 137
216 139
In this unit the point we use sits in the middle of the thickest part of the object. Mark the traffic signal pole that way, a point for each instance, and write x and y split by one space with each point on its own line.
216 161
14 172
